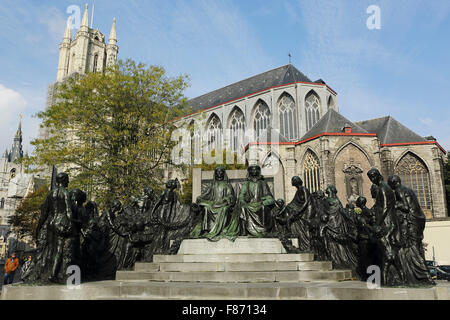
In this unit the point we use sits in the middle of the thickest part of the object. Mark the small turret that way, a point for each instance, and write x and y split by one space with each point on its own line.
113 34
112 49
64 49
84 27
67 35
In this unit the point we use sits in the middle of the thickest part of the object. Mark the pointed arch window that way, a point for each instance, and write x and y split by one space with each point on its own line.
261 118
415 175
196 143
12 173
94 69
214 134
237 129
312 107
288 117
311 171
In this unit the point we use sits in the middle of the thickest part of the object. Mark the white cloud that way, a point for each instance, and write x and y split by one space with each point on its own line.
12 104
55 21
426 121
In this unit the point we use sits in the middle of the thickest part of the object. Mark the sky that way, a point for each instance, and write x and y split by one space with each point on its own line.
400 68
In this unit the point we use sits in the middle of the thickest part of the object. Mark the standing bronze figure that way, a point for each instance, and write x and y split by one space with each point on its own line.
301 211
412 219
386 229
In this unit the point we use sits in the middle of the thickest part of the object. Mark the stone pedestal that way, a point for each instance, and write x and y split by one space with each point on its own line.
225 246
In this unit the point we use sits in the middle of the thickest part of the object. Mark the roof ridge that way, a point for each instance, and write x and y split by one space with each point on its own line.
371 119
235 83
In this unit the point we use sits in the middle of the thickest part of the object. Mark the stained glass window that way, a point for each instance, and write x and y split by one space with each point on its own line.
312 106
261 118
288 117
415 176
311 171
237 127
214 134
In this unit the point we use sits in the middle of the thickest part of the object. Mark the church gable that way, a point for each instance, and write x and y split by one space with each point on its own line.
332 122
390 130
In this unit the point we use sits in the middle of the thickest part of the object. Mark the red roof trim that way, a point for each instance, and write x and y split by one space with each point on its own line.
413 143
348 134
256 92
314 137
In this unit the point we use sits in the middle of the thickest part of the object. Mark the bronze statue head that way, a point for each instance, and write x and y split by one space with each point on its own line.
331 191
361 202
394 181
219 173
62 179
375 176
296 181
254 171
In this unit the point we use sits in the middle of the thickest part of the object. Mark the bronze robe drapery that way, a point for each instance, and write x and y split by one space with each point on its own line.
218 221
256 201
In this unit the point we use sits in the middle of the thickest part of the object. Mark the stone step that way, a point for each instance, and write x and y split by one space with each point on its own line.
237 276
146 290
232 266
262 257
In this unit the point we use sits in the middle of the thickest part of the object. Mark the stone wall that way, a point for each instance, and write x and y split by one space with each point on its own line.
437 236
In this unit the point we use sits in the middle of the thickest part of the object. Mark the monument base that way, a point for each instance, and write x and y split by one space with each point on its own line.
145 290
245 269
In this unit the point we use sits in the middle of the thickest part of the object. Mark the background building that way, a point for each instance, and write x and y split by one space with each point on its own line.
296 129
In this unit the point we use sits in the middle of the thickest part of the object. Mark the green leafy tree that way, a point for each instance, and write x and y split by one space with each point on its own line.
111 132
26 216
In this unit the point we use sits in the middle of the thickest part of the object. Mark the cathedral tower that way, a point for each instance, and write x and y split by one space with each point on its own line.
88 51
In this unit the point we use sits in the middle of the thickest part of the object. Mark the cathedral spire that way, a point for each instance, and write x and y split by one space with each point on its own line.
85 21
67 35
113 33
19 130
16 151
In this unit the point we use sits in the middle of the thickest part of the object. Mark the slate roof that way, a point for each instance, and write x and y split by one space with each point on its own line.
333 121
275 77
390 130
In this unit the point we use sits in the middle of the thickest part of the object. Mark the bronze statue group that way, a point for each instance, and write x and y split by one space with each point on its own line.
389 235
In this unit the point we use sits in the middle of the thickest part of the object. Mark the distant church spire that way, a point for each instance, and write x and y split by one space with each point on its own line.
16 151
113 33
